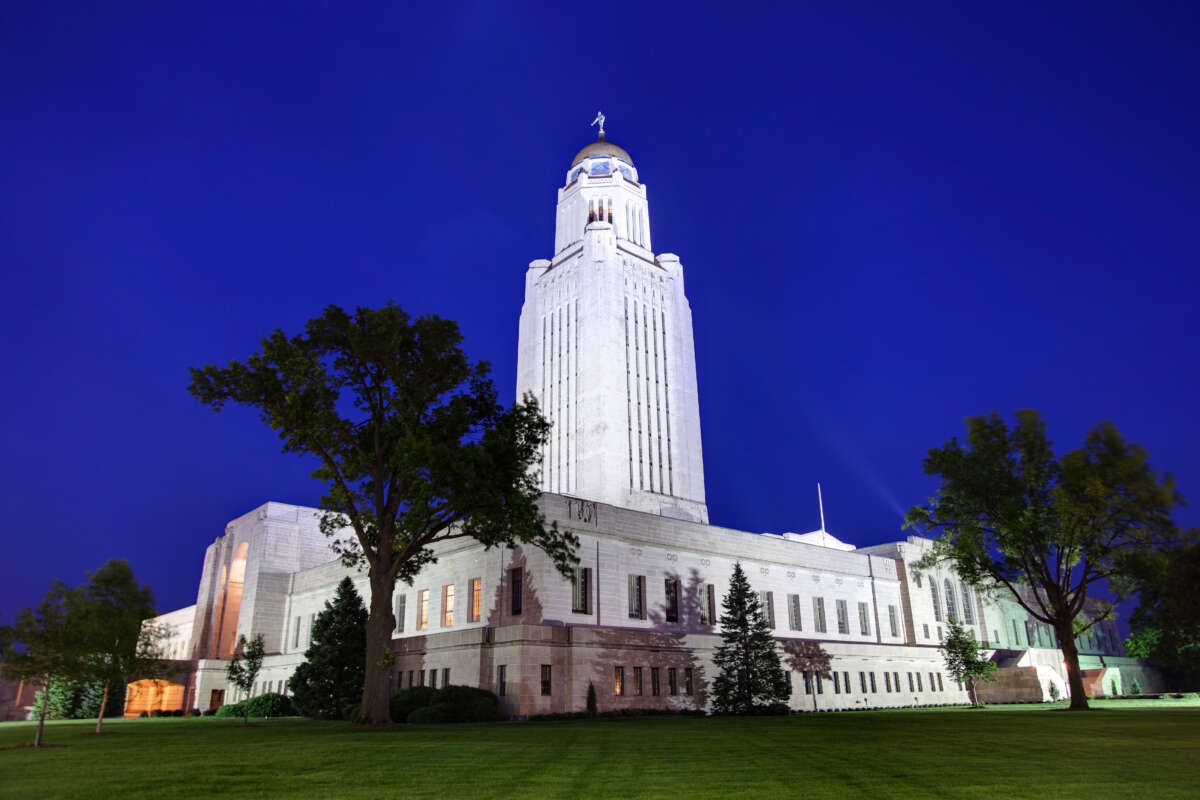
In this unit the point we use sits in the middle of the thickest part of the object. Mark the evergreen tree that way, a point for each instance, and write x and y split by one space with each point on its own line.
750 675
331 677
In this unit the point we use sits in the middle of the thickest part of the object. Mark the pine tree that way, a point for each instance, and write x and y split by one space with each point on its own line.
750 675
331 678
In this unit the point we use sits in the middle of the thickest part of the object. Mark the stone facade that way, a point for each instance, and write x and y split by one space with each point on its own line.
605 345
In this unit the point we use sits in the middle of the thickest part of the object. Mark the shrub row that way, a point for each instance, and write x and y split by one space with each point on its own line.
618 714
423 705
263 705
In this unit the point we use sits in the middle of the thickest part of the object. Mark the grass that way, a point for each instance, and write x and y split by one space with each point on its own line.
1141 749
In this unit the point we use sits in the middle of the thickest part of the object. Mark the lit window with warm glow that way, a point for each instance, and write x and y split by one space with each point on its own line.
476 599
618 681
448 605
422 610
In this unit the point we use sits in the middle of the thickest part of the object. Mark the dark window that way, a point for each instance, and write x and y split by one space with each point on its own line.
873 689
920 688
655 682
896 680
501 682
516 580
581 590
864 624
931 681
794 621
846 682
808 683
843 617
862 681
819 614
910 682
545 680
767 601
421 675
637 680
671 587
401 600
690 689
410 679
837 684
433 679
672 681
887 681
941 686
820 689
637 596
711 603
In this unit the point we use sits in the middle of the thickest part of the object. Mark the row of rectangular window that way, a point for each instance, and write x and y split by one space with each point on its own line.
474 605
891 682
636 687
418 678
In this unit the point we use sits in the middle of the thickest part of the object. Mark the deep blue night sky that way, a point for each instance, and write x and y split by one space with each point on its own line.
889 218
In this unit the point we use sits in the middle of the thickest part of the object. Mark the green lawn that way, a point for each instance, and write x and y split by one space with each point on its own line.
1119 750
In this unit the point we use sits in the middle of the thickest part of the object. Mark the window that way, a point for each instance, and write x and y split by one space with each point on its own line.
410 679
767 601
951 606
401 602
808 683
422 610
618 681
846 682
448 605
820 689
501 680
671 592
843 617
581 590
873 689
637 680
794 622
637 596
896 680
968 614
941 688
446 676
996 635
862 681
474 599
920 688
939 633
925 630
864 623
296 634
1016 635
433 679
894 620
787 676
819 614
689 687
708 605
917 578
545 680
516 583
910 682
655 682
937 607
887 681
837 684
672 681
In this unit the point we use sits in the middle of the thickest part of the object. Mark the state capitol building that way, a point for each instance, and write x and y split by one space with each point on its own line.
605 344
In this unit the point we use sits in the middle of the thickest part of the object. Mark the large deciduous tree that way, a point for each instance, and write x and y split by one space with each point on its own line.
45 646
1165 626
413 445
120 648
331 677
1010 514
750 674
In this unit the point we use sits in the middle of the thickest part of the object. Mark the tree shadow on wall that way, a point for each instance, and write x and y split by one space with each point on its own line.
662 644
500 614
808 658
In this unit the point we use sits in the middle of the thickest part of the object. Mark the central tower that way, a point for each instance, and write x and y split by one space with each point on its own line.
606 346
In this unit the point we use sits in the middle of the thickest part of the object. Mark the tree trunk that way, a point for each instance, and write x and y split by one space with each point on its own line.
1066 638
971 695
377 683
37 736
103 706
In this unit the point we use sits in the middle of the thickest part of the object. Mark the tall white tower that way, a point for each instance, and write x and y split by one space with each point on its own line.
606 347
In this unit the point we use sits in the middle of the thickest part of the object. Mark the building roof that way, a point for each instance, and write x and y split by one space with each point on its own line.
602 147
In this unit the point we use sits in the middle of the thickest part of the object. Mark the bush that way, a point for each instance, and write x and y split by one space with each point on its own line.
485 710
231 710
1135 687
195 712
406 701
1053 693
350 712
436 713
271 704
143 715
